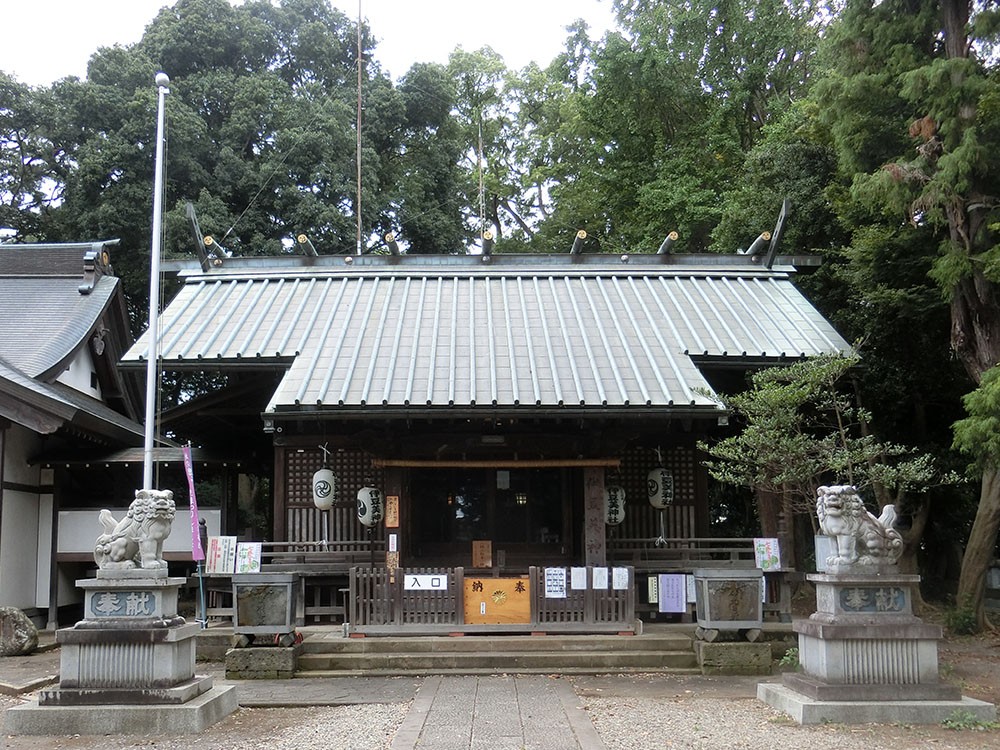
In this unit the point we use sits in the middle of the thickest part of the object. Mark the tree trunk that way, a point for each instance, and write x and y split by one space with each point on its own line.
919 512
980 548
769 512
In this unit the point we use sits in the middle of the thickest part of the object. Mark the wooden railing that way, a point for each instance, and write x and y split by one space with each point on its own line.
651 556
380 604
677 554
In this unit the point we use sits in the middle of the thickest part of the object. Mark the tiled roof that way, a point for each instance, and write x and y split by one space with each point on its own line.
467 338
66 406
46 319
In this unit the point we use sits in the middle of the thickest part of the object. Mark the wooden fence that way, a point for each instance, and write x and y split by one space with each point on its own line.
382 603
323 569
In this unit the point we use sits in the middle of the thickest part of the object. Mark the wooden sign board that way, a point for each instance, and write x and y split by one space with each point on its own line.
497 601
482 553
392 511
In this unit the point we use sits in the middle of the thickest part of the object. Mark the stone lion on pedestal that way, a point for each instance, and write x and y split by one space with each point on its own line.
136 541
862 539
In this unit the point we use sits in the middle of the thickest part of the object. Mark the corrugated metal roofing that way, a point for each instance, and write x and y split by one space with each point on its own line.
527 338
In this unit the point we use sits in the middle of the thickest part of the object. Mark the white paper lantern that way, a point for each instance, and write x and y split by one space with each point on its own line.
370 506
614 505
660 483
324 486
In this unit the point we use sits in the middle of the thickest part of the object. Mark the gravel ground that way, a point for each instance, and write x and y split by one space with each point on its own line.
664 721
363 727
734 723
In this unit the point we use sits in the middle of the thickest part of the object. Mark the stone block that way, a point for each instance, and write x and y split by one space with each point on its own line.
188 718
733 658
262 662
806 710
18 634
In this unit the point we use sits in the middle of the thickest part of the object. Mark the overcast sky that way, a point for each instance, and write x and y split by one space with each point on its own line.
46 40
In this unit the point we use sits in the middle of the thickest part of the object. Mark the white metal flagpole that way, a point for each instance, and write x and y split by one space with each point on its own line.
162 81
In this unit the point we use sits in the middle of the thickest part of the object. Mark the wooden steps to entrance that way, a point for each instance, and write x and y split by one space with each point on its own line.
330 655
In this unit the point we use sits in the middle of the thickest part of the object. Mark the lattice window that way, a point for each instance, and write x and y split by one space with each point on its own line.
303 521
641 519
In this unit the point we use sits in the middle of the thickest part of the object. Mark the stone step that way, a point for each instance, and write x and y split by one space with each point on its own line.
497 661
309 674
335 644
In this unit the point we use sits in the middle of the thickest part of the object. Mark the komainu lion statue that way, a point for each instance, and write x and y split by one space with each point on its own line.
862 539
136 541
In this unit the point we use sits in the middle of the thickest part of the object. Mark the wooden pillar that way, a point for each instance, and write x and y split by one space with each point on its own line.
594 539
278 491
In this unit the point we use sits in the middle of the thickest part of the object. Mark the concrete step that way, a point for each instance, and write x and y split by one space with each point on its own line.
309 674
335 644
328 654
511 661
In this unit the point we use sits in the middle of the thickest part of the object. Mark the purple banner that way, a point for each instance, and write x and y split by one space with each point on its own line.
197 553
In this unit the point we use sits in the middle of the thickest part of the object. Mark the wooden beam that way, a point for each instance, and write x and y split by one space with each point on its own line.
539 463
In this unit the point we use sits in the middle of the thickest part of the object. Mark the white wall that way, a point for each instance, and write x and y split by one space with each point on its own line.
78 374
79 529
19 528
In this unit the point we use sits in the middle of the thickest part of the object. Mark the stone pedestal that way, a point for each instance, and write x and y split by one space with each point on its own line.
865 656
729 600
133 656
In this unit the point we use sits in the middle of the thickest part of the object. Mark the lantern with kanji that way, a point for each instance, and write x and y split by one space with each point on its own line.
371 508
614 504
660 484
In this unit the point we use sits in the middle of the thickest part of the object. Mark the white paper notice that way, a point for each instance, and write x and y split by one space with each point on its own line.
673 593
619 579
600 579
555 583
578 578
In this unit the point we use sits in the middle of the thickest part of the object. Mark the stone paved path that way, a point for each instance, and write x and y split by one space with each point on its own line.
524 712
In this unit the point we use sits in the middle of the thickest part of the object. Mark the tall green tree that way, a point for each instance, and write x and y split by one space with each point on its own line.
28 172
261 123
912 103
428 171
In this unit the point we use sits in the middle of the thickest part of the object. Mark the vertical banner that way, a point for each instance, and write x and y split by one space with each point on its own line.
197 553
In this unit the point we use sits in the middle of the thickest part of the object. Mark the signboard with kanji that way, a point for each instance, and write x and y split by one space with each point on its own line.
497 601
482 553
221 557
392 511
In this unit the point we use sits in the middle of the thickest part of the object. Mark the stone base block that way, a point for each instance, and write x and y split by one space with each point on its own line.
806 710
825 691
733 658
189 718
177 694
262 662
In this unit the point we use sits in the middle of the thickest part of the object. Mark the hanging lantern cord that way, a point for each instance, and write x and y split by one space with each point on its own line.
326 455
660 541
